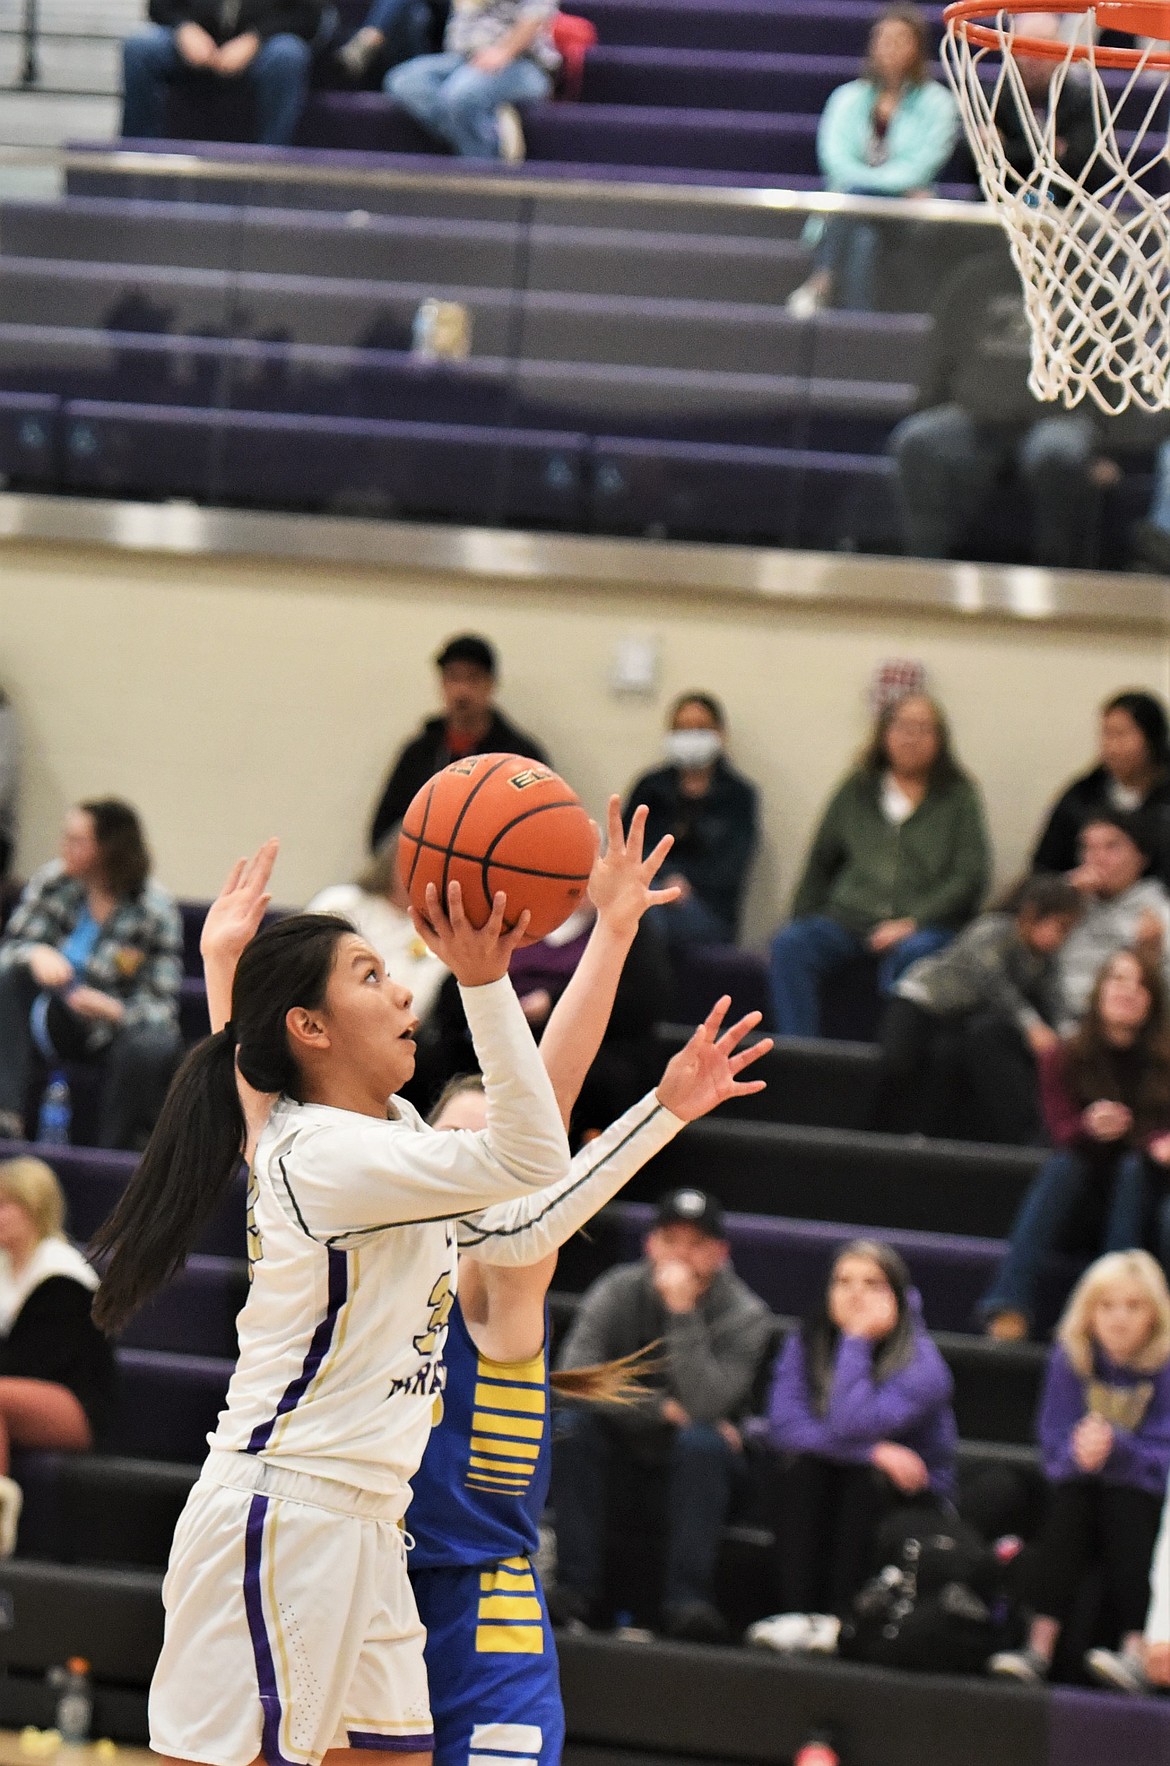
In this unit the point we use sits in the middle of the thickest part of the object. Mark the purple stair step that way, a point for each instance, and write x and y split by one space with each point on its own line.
817 27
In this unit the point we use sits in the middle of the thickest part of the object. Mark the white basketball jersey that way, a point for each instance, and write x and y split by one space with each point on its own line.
353 1265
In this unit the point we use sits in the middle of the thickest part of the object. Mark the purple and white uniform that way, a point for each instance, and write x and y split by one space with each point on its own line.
290 1627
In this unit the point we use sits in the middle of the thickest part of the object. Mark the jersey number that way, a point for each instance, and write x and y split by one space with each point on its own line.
441 1301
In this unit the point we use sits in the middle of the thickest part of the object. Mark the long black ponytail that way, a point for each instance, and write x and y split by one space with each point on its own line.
195 1150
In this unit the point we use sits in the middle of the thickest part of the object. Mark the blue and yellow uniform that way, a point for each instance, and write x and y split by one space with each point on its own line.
475 1517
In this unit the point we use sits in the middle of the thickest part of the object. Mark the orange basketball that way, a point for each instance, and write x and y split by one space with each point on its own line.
497 821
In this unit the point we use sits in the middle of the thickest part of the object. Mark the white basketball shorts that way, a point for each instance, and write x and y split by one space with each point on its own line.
290 1623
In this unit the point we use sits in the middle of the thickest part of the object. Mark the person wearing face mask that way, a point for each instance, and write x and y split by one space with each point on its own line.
711 810
1132 774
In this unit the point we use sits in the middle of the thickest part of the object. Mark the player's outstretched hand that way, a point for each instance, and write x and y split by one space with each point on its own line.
474 956
620 883
234 917
705 1072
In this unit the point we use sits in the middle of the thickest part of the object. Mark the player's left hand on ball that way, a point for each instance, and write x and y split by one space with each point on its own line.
620 883
475 956
706 1070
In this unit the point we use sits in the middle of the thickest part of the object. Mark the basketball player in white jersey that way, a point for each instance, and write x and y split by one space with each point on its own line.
291 1633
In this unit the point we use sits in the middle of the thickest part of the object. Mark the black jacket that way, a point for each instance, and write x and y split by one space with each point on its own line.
1058 846
714 836
1075 125
225 19
428 754
53 1337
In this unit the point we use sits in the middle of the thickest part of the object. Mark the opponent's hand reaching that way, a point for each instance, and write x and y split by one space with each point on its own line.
704 1073
234 917
475 956
620 885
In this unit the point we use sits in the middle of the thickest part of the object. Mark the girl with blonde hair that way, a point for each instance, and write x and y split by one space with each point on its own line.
1104 1433
56 1369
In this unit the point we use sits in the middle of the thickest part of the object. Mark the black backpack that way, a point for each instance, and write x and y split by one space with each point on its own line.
940 1605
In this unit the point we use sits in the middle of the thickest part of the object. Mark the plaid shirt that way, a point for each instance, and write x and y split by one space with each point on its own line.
138 954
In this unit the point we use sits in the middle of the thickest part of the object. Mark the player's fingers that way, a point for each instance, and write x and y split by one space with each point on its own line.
712 1022
652 865
424 929
746 1088
662 897
435 914
261 863
455 910
746 1057
614 832
495 924
735 1033
232 881
636 838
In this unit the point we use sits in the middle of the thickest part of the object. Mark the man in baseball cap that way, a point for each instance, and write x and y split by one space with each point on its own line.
709 1333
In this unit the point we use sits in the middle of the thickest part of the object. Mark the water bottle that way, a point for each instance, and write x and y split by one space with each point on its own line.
56 1117
74 1701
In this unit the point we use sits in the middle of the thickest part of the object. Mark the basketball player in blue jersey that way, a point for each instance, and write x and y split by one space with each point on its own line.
483 1483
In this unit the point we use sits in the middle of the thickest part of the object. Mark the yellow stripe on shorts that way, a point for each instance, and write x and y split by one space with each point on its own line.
510 1606
509 1640
508 1578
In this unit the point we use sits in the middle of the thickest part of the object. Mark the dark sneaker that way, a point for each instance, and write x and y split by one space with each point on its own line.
1120 1670
694 1621
1019 1664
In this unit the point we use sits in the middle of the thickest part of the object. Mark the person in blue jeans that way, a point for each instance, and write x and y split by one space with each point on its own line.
391 32
496 54
1106 1098
900 862
266 43
888 133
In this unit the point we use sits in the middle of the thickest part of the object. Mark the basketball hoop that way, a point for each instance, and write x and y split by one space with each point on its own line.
1092 244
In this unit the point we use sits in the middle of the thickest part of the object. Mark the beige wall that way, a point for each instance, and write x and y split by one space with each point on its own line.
231 698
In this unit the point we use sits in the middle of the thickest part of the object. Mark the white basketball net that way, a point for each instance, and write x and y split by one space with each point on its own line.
1095 262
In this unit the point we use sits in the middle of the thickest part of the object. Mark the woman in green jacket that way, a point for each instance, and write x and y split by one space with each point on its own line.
899 863
889 133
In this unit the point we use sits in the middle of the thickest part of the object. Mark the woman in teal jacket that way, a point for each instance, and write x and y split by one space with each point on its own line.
890 133
899 863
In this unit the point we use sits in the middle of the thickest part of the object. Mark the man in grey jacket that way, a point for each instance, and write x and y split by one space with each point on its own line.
710 1333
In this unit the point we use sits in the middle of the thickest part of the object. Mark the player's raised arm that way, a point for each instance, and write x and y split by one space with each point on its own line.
621 889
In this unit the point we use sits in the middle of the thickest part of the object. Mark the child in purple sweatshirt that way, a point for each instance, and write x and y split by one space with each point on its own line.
861 1411
1104 1432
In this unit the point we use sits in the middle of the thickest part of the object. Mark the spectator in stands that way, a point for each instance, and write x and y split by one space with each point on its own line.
1104 1432
1106 1097
711 811
860 1410
992 997
628 1059
90 967
1074 126
889 133
470 724
57 1372
711 1333
391 32
976 416
376 903
1123 905
9 783
496 54
266 43
1132 773
898 864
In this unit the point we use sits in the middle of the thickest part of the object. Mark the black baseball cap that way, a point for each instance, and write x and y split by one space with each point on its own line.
691 1208
468 648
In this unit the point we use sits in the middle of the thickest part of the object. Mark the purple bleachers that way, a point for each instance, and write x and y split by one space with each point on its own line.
819 499
169 1404
93 1181
196 1313
472 473
808 27
29 437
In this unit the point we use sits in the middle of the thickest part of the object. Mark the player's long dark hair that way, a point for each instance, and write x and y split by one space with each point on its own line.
195 1150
